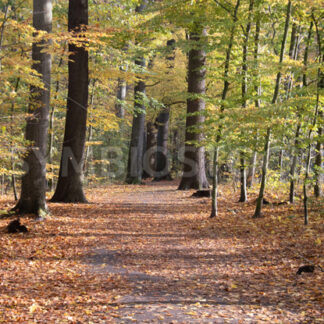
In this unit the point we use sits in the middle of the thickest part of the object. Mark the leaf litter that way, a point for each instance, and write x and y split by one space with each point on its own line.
150 254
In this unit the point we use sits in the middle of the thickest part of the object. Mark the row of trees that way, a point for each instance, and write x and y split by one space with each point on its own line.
247 72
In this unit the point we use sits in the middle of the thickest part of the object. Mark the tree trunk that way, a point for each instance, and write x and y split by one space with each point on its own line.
258 209
136 147
257 88
33 187
214 210
162 163
251 173
297 134
293 166
194 174
69 187
320 86
317 108
51 126
121 97
149 155
318 163
243 196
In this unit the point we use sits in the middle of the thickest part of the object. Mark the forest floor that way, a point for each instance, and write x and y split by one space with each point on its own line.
150 254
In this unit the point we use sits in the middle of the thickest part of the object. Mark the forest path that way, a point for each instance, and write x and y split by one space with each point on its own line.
151 254
180 266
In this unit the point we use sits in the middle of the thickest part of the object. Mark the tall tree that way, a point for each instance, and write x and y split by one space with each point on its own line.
162 121
33 187
136 147
298 128
243 196
194 174
259 204
69 187
214 209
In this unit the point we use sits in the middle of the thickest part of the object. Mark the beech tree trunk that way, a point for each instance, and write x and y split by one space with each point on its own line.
194 174
121 96
69 187
33 187
136 147
243 195
149 155
162 163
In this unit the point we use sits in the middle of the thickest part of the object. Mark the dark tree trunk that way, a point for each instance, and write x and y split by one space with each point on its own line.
162 163
243 195
33 187
320 87
214 210
293 165
251 173
318 163
121 96
149 155
136 147
69 187
194 174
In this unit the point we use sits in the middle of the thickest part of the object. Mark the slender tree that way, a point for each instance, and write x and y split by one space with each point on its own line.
243 196
259 204
214 209
69 187
320 87
298 128
33 186
316 113
257 88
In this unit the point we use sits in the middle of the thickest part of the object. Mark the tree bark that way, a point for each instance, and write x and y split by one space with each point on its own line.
162 163
297 134
316 113
136 149
258 209
69 187
33 187
243 195
318 152
214 210
51 126
194 174
149 155
121 96
251 173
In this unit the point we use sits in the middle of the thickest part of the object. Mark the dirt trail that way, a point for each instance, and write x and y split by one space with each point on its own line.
179 272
